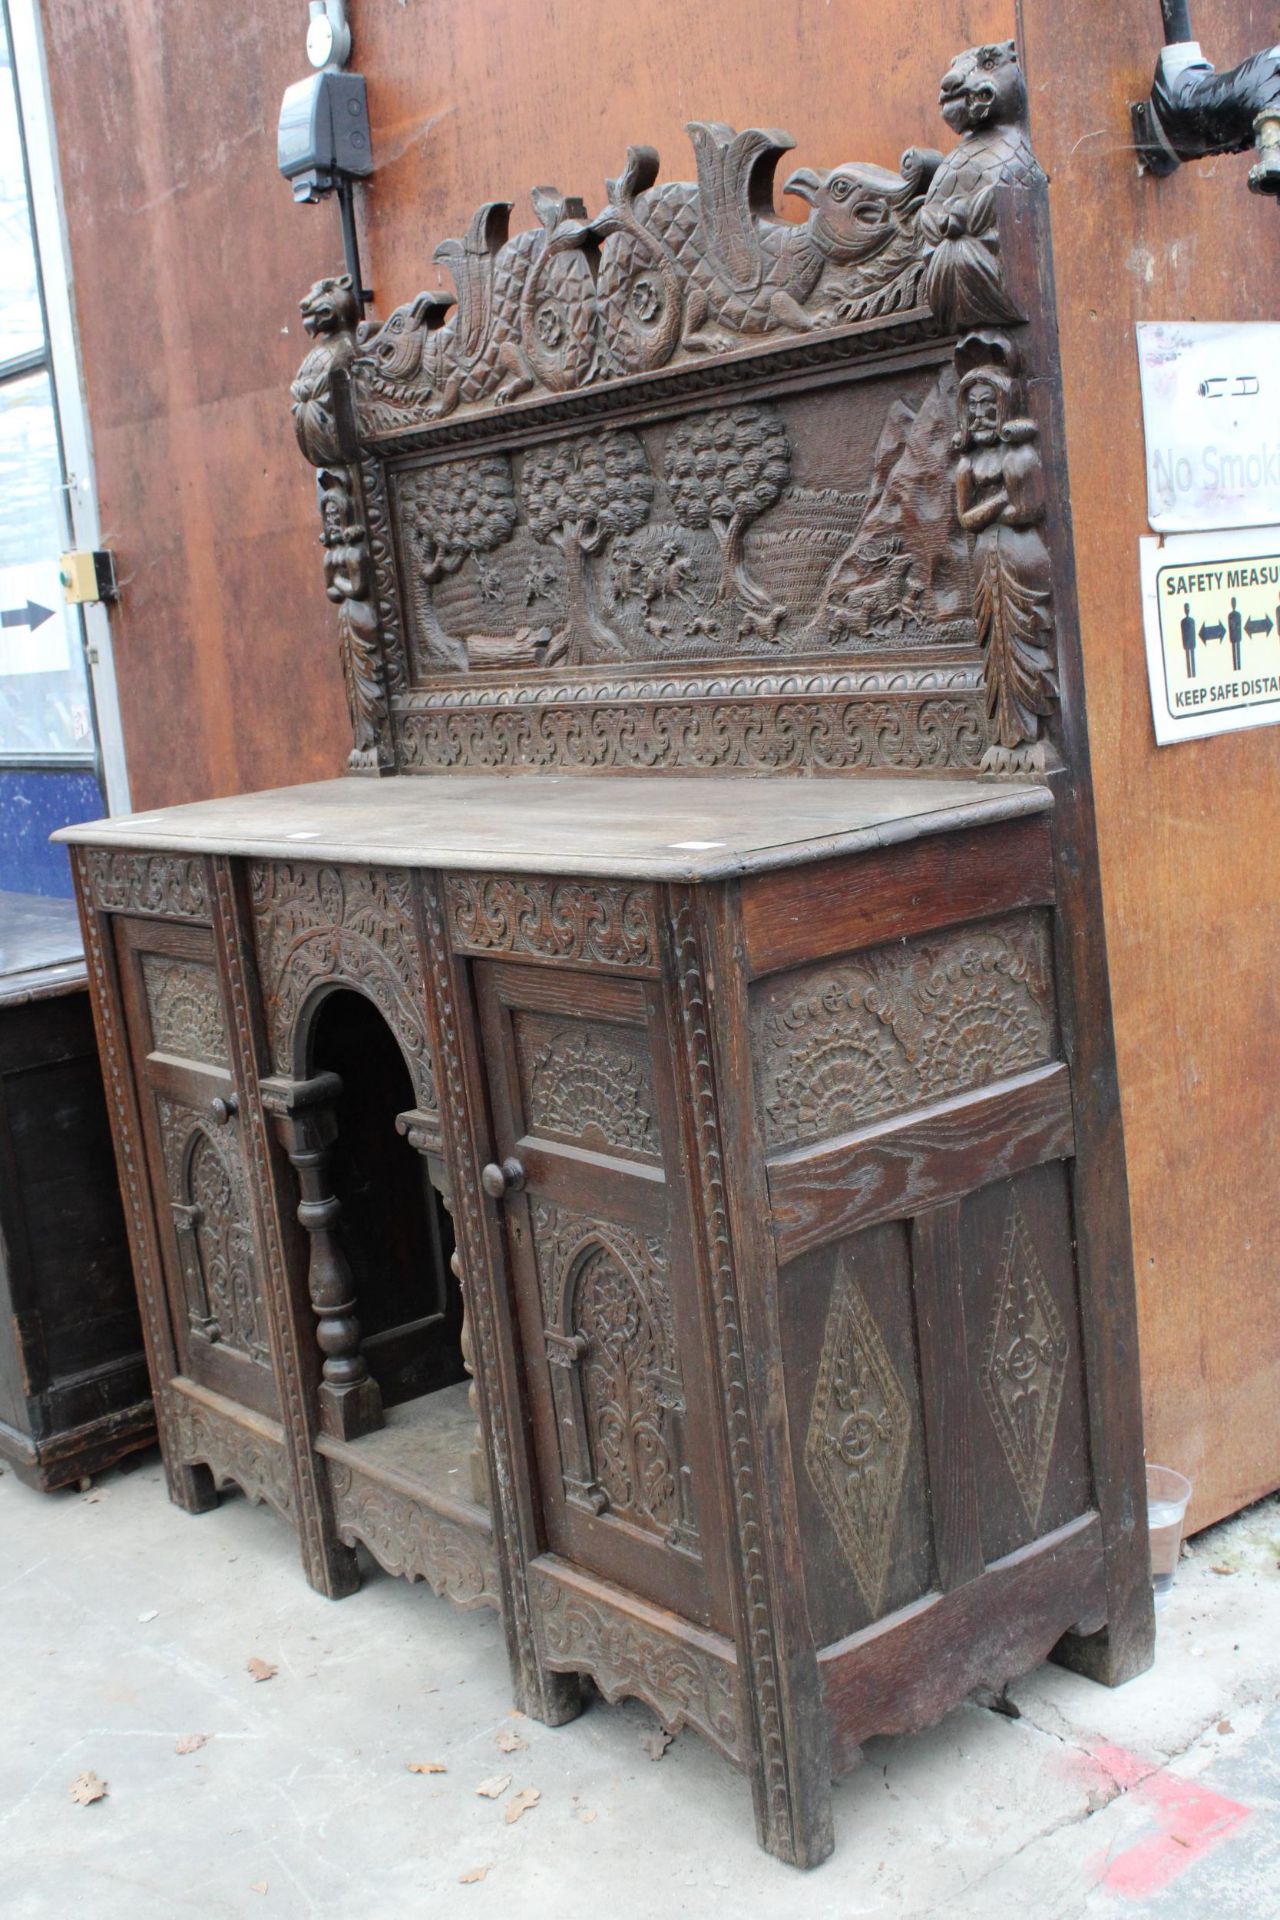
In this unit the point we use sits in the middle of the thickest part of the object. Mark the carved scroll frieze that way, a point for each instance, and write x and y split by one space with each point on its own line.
413 1541
629 1652
859 1437
838 1047
170 886
1024 1363
589 1082
615 1373
341 926
663 274
211 1212
564 920
235 1454
186 1009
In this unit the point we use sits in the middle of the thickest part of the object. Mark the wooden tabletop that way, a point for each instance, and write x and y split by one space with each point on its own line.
40 947
618 826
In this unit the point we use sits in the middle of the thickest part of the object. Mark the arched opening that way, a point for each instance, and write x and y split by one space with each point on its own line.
395 1231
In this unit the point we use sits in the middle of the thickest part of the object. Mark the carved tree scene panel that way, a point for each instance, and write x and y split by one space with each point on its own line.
823 525
601 1263
857 1429
1022 1329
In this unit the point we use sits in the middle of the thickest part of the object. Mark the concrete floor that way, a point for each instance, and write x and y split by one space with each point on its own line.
125 1624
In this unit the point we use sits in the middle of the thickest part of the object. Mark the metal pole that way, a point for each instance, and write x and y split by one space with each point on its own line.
1177 21
350 243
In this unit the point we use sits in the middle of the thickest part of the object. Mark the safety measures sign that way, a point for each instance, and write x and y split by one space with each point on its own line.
1211 604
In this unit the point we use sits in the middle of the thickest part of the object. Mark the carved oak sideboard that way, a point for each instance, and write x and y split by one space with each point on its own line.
703 1041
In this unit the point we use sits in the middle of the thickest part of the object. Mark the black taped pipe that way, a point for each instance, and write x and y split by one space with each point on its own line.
1177 21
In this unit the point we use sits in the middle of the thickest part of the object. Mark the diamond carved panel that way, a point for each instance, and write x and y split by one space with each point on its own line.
859 1437
1024 1364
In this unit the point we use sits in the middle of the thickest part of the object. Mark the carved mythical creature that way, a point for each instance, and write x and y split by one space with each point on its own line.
348 584
329 314
1000 501
983 99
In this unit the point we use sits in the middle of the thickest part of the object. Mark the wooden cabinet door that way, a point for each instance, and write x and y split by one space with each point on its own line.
597 1236
181 1052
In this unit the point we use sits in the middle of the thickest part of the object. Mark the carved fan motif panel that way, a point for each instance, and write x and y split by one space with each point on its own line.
837 1047
186 1009
587 1082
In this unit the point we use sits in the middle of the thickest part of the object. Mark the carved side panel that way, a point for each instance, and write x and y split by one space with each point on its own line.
588 1083
859 1438
341 926
1024 1363
615 1371
209 1194
568 921
185 1008
170 886
412 1541
235 1454
628 1652
840 1046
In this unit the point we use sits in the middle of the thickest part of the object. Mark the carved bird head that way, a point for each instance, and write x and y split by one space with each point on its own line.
856 208
395 347
983 87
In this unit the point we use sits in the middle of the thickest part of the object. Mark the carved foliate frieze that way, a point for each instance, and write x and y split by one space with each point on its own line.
234 1454
210 1202
1024 1363
838 1047
341 926
185 1005
590 922
170 886
615 1375
588 1082
859 1437
628 1655
412 1540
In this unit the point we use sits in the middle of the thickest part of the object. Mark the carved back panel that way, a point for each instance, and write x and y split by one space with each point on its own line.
687 484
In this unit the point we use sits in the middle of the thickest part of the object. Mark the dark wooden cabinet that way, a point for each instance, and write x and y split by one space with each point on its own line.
74 1393
752 1141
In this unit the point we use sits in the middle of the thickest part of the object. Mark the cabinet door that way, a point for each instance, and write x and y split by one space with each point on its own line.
178 1034
597 1237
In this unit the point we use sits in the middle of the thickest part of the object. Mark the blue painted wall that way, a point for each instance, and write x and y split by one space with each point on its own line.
32 806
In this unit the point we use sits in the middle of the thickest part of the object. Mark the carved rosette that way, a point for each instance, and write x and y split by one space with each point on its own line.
413 1541
569 921
341 926
1024 1364
588 1082
631 1654
859 1438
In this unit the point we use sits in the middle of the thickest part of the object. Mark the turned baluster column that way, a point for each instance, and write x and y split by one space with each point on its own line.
421 1131
350 1403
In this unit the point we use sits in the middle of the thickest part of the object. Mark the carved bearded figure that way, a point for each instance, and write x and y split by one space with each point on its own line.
347 584
1000 503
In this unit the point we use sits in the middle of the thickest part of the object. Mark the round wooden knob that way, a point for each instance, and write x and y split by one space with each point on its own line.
221 1109
498 1181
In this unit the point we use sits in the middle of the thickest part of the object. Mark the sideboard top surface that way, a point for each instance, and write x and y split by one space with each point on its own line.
631 826
41 950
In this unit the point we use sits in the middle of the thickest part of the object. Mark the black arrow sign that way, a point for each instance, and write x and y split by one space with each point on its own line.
1216 632
33 615
1258 626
